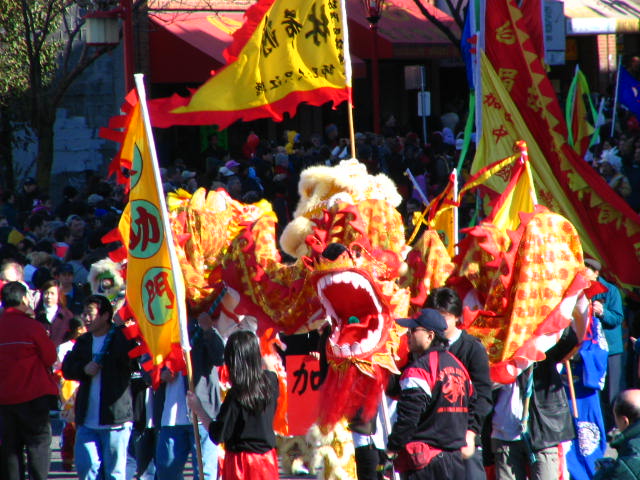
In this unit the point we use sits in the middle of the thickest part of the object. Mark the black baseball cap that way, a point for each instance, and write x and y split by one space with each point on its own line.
428 318
65 268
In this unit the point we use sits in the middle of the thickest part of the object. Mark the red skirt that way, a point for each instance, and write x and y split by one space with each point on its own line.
250 466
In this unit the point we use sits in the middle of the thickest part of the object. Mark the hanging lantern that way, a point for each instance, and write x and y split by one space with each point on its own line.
101 28
373 10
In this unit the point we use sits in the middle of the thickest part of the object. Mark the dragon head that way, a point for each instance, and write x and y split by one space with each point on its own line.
355 290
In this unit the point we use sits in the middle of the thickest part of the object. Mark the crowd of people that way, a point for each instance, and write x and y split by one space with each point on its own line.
52 275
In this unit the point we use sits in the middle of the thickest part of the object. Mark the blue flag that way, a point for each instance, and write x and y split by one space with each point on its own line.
466 46
629 91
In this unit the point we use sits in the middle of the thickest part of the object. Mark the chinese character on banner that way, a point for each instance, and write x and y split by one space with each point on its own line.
304 380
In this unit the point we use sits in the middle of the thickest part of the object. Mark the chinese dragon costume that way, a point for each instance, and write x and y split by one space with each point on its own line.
354 271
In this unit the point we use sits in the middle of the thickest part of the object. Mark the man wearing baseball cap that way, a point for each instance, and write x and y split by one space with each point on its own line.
433 409
607 306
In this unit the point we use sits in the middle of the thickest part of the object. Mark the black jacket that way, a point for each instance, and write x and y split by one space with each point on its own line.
433 405
115 391
243 431
473 356
550 421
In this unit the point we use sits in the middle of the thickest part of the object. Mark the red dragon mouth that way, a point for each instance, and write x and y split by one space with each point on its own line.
356 313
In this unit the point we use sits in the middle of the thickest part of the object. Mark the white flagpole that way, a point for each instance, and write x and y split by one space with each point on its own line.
386 425
348 75
175 265
615 99
456 236
176 271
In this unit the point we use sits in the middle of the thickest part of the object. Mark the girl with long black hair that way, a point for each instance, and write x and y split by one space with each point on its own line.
245 421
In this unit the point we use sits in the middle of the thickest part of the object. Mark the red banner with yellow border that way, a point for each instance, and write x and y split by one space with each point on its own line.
608 227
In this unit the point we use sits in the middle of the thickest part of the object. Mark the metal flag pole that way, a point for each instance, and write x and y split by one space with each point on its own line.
615 99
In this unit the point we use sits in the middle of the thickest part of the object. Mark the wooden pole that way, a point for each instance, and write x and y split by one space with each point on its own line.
352 135
194 417
572 391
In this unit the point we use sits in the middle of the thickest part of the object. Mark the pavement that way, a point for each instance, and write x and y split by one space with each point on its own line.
57 473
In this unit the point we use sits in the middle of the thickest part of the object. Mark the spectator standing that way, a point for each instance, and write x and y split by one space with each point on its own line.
626 466
433 409
51 312
176 439
531 418
27 388
74 257
214 155
245 421
73 292
607 307
100 361
25 198
473 356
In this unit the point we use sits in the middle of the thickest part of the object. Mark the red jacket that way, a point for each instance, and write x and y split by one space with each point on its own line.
26 357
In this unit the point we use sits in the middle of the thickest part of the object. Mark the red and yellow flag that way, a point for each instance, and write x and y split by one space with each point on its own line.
287 52
154 284
442 215
515 86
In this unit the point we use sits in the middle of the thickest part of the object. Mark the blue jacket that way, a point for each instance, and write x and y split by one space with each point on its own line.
612 316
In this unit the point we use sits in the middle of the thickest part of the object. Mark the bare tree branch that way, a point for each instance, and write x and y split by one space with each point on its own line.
440 25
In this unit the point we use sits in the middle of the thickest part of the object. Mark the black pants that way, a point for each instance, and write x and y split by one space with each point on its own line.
611 389
25 426
445 465
473 467
369 462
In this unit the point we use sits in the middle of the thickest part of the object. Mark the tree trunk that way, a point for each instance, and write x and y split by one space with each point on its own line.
6 154
44 161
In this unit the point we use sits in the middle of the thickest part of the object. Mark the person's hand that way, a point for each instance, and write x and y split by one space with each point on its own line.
92 368
205 321
598 308
167 375
470 448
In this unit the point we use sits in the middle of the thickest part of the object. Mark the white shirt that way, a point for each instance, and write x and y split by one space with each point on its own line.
175 404
92 419
507 413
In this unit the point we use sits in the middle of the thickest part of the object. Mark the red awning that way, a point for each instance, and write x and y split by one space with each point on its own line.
403 32
186 47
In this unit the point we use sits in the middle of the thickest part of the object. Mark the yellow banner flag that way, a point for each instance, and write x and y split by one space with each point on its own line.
154 288
502 127
287 52
519 196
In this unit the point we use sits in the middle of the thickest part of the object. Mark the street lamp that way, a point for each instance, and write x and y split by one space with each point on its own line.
101 28
373 12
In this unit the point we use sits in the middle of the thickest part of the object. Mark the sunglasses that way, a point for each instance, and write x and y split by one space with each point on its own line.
415 329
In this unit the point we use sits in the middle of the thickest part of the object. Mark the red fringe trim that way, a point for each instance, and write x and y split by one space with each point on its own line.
350 393
160 109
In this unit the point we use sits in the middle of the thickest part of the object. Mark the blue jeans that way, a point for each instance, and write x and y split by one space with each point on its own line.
102 450
173 446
